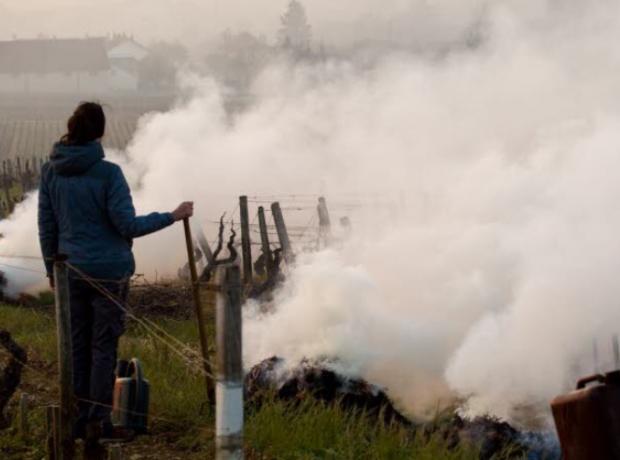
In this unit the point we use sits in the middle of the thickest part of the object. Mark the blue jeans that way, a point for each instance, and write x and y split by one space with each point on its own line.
97 324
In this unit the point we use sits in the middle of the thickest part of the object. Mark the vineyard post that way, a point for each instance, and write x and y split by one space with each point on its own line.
65 359
24 428
53 434
264 237
229 389
20 175
324 221
246 242
9 164
6 185
202 330
285 242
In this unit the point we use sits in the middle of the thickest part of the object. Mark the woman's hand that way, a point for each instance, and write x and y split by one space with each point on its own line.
184 211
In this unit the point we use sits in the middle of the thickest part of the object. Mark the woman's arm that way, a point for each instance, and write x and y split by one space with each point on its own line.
123 214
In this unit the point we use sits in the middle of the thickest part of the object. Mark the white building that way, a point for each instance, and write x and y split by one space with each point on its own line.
125 56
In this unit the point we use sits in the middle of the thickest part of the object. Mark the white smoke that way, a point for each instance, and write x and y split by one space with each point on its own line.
499 269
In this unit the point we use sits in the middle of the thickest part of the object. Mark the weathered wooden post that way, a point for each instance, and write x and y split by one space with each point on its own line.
229 391
24 427
202 330
204 245
246 242
6 185
65 358
264 238
53 432
285 242
324 220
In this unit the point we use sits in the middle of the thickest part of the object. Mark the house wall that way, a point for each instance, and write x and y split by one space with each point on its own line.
122 80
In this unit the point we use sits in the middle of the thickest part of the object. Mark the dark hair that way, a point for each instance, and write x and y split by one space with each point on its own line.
85 125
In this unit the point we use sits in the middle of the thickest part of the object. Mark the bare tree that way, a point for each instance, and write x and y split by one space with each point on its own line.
295 31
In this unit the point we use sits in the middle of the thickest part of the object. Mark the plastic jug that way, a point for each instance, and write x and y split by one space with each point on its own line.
588 419
131 397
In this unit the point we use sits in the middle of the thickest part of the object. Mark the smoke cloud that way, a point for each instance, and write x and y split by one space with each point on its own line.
483 264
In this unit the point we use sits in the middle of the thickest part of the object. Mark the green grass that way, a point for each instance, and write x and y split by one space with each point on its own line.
182 423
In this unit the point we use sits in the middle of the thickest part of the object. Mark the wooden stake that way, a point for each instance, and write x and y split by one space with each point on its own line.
285 243
229 391
50 419
324 221
264 238
202 330
246 242
204 246
65 360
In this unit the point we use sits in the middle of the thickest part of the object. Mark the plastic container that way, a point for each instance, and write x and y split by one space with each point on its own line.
131 397
588 419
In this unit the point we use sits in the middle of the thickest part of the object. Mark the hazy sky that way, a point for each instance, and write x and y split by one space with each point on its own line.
196 20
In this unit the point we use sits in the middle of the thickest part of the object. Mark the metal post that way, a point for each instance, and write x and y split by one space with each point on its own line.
229 390
65 359
324 221
285 243
246 242
202 330
264 238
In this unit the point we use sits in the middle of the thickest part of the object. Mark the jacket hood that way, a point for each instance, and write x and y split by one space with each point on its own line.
73 160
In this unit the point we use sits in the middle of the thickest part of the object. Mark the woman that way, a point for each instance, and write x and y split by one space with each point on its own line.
86 213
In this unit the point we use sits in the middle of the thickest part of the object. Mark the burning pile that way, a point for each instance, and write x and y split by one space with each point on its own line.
318 381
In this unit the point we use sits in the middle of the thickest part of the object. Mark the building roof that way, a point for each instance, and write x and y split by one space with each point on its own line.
43 56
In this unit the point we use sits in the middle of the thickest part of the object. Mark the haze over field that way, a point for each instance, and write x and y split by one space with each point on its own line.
195 21
498 268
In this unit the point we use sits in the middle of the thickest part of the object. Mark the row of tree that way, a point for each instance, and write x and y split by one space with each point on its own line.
234 58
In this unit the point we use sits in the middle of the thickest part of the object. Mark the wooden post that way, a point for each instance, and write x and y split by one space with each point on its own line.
285 243
229 391
264 238
202 330
324 221
6 185
246 242
65 359
204 245
24 428
54 452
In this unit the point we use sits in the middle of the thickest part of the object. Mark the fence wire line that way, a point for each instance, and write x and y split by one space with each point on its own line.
46 376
